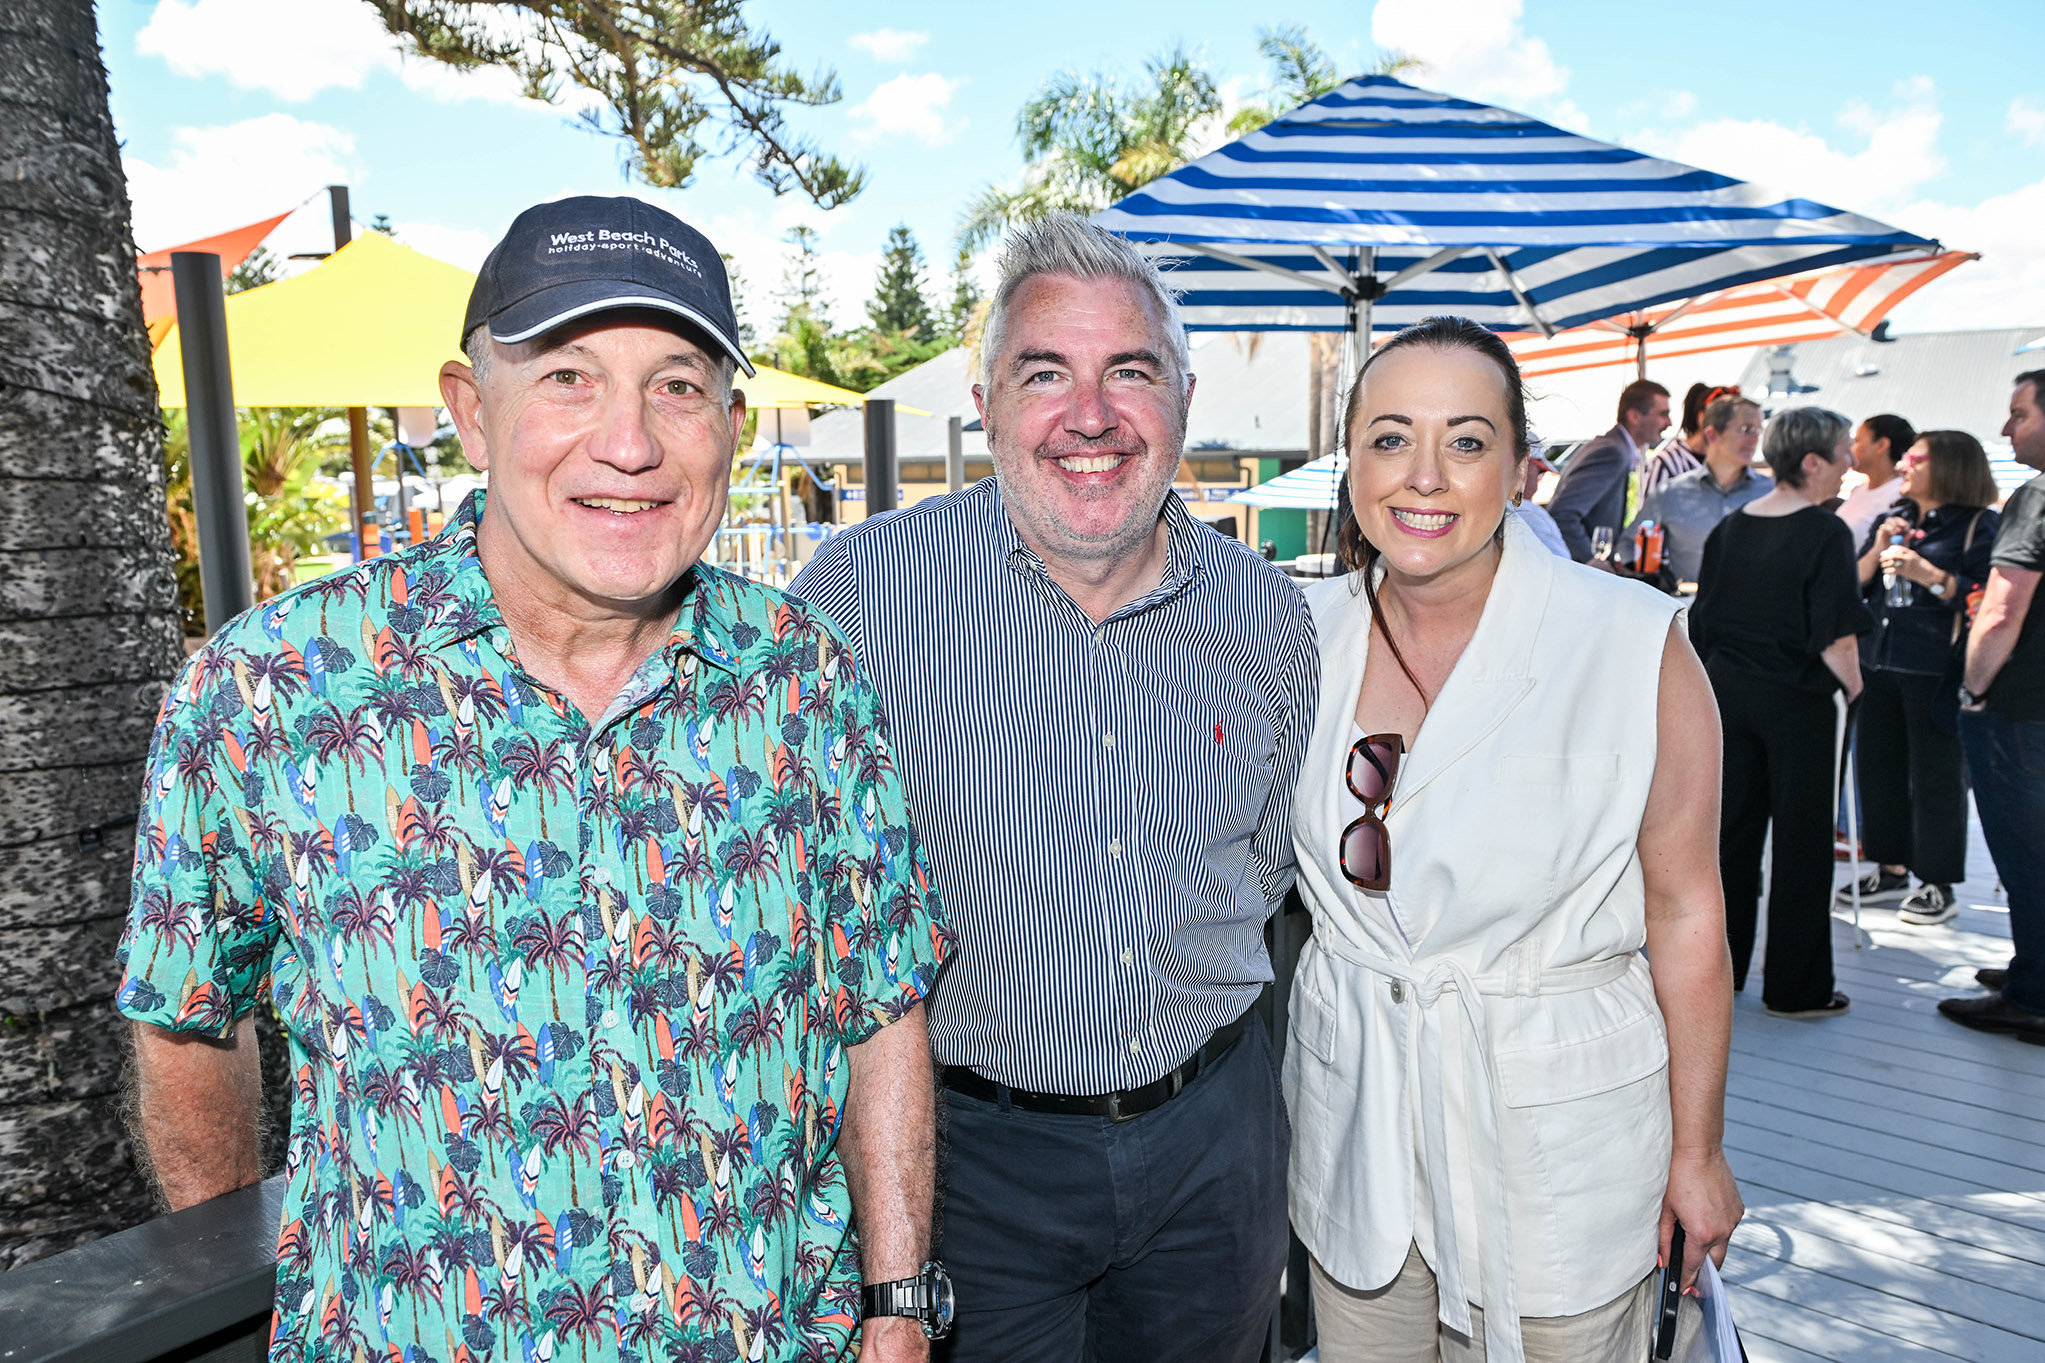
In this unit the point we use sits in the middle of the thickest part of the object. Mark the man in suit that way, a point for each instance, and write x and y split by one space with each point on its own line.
1593 487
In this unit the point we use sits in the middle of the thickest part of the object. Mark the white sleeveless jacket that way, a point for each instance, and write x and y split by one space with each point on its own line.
1476 1061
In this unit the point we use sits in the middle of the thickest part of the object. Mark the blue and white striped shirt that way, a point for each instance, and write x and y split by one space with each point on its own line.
1106 808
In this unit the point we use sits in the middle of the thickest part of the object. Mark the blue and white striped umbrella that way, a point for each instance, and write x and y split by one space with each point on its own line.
1379 204
1310 487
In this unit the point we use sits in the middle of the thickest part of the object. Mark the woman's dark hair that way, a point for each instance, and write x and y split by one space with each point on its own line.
1796 432
1957 473
1893 429
1358 554
1693 407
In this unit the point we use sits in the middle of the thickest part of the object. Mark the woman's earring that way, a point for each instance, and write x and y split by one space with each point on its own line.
1516 497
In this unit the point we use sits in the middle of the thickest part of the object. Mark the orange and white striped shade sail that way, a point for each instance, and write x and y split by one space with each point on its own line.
1806 307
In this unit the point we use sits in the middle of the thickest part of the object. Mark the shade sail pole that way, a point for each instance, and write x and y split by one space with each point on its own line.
1519 291
1254 263
367 537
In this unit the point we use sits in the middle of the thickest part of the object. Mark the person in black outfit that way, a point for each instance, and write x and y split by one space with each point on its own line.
1913 782
1777 622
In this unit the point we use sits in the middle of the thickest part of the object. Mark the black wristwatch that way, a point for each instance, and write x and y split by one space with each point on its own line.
926 1297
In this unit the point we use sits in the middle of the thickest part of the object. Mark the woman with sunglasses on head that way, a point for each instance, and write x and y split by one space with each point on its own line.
1500 1108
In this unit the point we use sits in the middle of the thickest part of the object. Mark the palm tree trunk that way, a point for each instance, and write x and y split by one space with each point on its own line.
89 630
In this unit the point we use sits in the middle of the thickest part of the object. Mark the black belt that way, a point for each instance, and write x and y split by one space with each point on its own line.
1119 1106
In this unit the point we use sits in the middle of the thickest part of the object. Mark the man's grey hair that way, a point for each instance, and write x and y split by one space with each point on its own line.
1797 431
476 345
1067 244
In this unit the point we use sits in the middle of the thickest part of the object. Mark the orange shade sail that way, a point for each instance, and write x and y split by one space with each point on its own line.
1807 307
159 299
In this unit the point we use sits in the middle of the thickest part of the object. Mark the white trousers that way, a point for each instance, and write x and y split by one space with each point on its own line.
1398 1323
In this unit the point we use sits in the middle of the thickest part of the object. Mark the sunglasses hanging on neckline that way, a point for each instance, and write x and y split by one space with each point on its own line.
1372 769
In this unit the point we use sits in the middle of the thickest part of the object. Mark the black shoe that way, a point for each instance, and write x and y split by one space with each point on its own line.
1877 887
1991 978
1927 906
1838 1004
1989 1013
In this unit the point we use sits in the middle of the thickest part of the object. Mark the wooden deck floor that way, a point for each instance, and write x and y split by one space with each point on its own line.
1893 1163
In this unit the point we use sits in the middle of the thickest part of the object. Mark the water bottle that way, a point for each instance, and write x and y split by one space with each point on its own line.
1898 585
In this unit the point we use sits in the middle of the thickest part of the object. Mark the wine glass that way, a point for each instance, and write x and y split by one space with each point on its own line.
1601 543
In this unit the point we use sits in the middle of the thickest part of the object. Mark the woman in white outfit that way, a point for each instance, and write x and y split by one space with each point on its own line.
1500 1106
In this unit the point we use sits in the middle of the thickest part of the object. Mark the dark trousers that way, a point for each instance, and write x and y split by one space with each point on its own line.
1155 1239
1913 780
2006 758
1778 767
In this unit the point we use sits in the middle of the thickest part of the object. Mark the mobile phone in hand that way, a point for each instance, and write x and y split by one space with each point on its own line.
1671 1295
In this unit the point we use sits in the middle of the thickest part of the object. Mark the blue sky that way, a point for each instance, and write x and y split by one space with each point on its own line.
1933 119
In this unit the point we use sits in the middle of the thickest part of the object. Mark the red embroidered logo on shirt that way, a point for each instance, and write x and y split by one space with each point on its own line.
1217 733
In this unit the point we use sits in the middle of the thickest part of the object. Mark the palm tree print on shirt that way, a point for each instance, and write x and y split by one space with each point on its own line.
568 1003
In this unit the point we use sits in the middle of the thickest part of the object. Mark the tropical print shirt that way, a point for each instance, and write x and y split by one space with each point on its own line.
568 1003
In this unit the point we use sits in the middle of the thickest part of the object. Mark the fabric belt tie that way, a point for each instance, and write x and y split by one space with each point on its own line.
1426 1072
1118 1106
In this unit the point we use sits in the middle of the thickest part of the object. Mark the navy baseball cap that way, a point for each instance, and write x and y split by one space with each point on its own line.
573 257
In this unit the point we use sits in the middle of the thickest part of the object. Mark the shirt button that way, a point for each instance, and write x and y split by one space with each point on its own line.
1134 1044
1398 991
1108 740
610 1017
627 1160
1128 956
1115 847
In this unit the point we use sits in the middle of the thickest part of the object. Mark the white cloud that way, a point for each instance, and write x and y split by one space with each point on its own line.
911 106
2027 120
294 51
1898 155
2005 288
1476 49
461 246
891 45
220 177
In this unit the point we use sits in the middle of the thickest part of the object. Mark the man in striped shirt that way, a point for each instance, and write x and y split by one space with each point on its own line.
1100 707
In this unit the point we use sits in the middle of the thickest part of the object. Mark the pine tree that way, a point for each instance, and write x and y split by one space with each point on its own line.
90 639
965 297
804 344
898 306
802 283
680 81
736 281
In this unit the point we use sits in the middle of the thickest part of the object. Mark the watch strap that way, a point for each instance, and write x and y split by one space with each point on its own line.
902 1297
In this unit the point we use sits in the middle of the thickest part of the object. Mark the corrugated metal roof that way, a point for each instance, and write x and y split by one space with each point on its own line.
1935 380
939 385
1250 398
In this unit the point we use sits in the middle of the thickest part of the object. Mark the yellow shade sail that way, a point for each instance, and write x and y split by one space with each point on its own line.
370 327
773 388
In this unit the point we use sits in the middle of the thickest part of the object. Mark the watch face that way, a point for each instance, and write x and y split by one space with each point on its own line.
939 1284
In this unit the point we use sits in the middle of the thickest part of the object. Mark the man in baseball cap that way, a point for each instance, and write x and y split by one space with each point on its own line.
619 885
579 257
